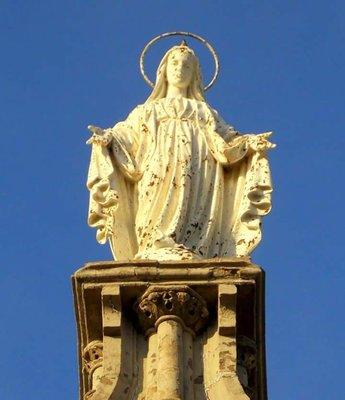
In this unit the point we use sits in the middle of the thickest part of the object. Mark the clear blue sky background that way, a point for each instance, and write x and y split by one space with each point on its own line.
65 64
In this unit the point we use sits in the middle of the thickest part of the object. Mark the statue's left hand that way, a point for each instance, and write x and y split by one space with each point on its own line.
260 142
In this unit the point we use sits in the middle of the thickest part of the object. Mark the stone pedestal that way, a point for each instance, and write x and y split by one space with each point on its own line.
181 330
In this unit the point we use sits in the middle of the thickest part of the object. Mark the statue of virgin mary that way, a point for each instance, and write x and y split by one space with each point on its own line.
174 181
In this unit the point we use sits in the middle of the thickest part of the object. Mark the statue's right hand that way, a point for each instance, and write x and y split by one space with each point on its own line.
99 135
95 130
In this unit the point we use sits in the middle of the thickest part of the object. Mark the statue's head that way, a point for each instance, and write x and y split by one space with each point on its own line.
179 67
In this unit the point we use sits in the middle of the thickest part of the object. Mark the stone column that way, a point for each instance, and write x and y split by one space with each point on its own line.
173 314
170 360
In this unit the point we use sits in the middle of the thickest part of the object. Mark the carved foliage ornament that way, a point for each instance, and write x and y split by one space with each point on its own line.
161 303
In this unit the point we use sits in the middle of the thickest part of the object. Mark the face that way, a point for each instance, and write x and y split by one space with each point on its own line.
180 68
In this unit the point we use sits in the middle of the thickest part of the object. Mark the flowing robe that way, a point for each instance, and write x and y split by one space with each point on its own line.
173 181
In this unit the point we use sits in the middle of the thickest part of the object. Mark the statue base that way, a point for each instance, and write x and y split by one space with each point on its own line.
171 330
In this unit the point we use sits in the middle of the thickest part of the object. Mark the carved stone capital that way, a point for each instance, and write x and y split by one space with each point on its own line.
247 363
246 353
93 356
92 361
182 303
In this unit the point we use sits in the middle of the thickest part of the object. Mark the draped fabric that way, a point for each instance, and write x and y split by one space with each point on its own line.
176 182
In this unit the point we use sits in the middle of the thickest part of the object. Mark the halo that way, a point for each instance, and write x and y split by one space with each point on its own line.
194 36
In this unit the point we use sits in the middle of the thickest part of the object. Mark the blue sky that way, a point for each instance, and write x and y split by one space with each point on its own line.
66 64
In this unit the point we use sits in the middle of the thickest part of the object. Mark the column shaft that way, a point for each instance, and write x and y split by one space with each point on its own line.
170 362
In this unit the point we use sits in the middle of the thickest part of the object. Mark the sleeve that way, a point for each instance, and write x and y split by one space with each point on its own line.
225 130
226 144
112 165
124 145
131 128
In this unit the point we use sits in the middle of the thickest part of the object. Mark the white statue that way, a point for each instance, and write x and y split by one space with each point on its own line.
174 181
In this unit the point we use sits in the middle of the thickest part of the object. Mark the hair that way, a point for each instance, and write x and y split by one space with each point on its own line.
195 89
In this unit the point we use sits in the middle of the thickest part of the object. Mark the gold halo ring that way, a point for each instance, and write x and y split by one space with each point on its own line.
194 36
